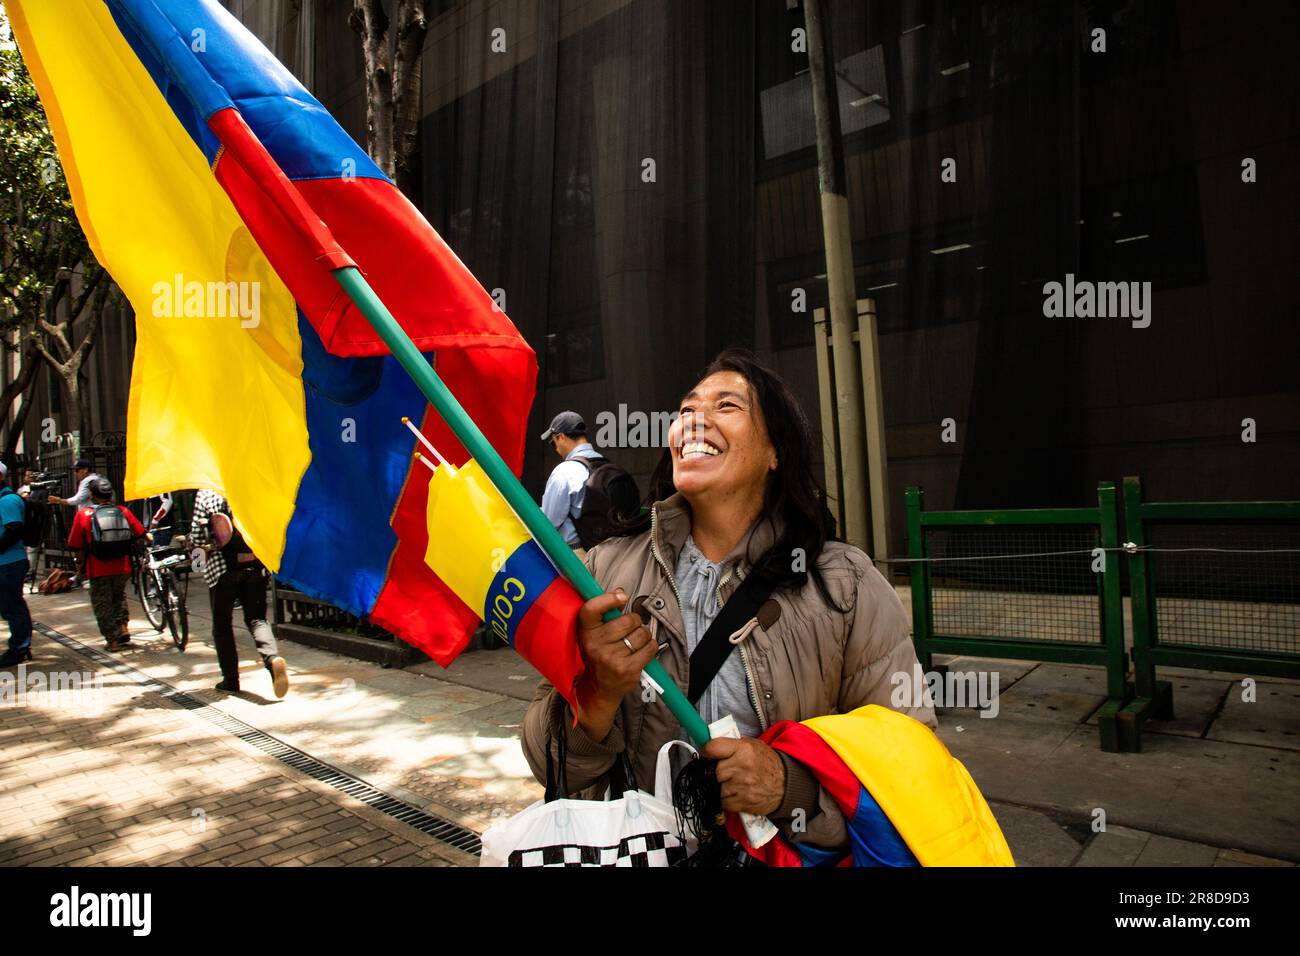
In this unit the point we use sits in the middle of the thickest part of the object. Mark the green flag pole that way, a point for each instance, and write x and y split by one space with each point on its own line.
538 525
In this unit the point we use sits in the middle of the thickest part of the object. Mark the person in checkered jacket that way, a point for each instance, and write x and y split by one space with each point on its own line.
232 572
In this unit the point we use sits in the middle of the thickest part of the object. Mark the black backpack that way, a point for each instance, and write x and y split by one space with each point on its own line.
611 494
110 532
34 515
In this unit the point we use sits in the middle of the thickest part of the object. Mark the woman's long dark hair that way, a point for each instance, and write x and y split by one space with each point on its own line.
793 501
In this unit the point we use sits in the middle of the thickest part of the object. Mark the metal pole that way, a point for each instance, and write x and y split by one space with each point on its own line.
826 400
839 272
874 411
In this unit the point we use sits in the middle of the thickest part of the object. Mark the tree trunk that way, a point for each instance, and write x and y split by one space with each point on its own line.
408 73
370 22
26 373
68 362
20 387
73 397
393 73
20 422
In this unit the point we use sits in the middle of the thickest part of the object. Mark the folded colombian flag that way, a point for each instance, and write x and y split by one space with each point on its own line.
906 800
221 196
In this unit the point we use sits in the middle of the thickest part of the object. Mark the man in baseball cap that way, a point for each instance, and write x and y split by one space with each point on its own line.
566 489
81 470
569 424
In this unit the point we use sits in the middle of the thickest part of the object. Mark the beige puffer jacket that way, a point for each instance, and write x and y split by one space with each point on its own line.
806 661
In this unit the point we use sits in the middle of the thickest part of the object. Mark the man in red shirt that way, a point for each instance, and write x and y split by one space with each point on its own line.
104 533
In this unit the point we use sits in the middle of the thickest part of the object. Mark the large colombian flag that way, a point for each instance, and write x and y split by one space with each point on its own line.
205 175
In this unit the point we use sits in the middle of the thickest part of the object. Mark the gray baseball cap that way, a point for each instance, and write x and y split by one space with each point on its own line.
565 423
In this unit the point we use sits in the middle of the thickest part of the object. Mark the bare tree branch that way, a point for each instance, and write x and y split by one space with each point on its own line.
26 373
87 290
93 325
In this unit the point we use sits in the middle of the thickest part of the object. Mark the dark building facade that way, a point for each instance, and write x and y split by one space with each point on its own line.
638 179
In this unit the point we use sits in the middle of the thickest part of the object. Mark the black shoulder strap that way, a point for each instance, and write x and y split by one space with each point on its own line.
621 776
714 647
557 781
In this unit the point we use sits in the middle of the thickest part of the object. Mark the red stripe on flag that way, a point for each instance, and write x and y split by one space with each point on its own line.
547 639
265 187
434 296
804 745
309 227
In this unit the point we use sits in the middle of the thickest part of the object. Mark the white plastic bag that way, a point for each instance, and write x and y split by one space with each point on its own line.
637 829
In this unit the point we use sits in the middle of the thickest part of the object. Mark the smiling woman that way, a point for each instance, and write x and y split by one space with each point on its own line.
735 515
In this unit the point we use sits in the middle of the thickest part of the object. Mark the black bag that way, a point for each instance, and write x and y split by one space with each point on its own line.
611 495
110 532
35 514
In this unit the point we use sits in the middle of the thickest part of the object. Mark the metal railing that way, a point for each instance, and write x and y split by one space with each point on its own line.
1216 586
1038 584
107 455
310 620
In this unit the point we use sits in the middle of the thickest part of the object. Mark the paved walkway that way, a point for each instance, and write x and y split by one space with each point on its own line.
96 768
105 781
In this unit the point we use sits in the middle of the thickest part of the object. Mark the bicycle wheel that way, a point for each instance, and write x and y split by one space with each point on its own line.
169 610
182 615
151 597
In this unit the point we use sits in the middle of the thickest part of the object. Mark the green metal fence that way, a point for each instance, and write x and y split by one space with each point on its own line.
1215 586
1037 584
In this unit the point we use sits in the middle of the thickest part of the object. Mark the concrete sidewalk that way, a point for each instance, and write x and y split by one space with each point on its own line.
1218 786
106 771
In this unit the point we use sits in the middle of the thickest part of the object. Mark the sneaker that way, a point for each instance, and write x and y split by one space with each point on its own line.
279 675
230 687
14 658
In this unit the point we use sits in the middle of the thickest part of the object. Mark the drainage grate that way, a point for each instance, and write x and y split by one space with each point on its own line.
450 833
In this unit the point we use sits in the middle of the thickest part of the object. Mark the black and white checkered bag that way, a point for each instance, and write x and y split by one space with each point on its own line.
635 829
646 849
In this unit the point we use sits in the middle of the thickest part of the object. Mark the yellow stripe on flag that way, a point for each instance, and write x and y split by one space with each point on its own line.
216 402
472 531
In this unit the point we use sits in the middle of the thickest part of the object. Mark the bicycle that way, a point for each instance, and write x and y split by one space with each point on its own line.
162 589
